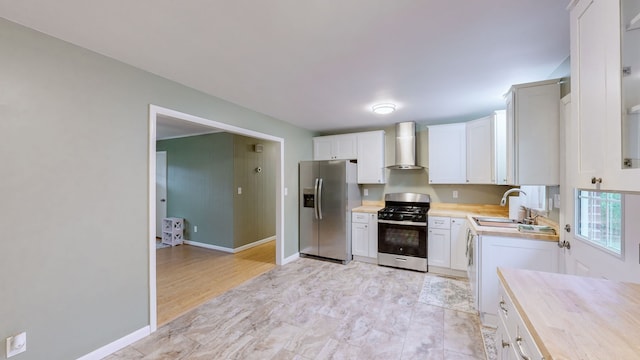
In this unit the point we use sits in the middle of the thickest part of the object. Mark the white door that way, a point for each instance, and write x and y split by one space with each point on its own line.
161 190
580 257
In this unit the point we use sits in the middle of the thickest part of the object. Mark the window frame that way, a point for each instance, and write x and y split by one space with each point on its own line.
590 242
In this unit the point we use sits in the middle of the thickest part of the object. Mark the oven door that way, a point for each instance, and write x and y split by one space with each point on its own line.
402 238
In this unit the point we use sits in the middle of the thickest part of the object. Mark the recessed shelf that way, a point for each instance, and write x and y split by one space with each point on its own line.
634 109
634 23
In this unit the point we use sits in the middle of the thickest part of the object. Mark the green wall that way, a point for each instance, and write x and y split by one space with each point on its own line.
74 131
200 185
203 175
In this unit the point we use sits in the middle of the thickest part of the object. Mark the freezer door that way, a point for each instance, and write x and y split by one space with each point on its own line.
308 178
333 237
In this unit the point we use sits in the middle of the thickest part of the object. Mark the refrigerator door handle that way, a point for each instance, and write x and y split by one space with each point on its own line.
315 198
320 199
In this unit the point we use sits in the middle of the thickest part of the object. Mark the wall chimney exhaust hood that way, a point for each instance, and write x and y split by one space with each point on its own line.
405 147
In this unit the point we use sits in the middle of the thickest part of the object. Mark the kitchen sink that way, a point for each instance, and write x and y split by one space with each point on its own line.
496 222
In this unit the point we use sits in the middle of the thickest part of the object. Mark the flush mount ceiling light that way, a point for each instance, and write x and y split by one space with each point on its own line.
384 108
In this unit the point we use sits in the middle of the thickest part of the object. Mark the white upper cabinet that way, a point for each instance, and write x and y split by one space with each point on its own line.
335 147
486 142
365 147
602 66
447 154
469 153
533 133
480 159
371 169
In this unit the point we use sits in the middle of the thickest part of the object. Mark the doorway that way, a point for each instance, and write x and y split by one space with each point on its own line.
191 120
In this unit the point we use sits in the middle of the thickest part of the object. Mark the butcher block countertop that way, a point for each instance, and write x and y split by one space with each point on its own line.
469 210
371 207
573 317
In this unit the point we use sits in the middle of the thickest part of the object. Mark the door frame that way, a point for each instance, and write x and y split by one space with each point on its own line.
165 184
154 111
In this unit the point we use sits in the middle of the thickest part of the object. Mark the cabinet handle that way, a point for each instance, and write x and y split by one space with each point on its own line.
519 349
595 180
503 307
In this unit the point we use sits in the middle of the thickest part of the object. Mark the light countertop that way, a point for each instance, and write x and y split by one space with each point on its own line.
572 317
469 210
371 207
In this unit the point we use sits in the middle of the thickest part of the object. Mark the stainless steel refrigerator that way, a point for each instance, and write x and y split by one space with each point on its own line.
328 193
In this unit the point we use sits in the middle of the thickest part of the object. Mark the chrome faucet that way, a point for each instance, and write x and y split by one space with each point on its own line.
503 202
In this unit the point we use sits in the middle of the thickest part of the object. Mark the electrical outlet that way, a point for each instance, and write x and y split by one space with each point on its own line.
195 228
16 344
366 192
239 191
286 191
455 194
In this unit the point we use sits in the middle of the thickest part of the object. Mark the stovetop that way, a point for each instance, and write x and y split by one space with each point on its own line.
404 213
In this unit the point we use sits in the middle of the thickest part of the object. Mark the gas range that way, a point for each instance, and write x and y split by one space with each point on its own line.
402 231
405 207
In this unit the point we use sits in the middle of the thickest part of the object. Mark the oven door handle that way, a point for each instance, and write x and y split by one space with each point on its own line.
406 223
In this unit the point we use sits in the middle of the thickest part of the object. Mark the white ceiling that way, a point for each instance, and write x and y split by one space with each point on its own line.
321 64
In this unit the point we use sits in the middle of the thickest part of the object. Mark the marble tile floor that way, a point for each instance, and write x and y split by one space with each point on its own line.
312 309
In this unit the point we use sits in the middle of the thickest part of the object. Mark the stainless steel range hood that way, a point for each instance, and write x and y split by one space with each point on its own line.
405 147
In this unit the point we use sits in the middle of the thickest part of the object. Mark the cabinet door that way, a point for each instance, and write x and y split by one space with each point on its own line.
438 248
518 253
373 235
533 130
371 168
322 148
458 244
589 83
346 147
360 239
447 154
481 151
500 131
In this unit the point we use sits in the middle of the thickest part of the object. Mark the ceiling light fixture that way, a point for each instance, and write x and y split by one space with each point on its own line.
384 108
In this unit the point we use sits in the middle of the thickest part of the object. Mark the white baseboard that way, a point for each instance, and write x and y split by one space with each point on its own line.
229 250
117 345
255 243
291 258
208 246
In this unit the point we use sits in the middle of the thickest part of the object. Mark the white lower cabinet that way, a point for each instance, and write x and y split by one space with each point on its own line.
439 242
513 340
445 248
364 236
458 245
509 252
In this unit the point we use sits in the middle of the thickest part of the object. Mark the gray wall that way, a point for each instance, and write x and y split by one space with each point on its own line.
200 186
74 149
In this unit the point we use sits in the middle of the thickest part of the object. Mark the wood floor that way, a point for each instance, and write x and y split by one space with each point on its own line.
188 276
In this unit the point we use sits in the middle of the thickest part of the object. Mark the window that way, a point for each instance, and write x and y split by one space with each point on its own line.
599 219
